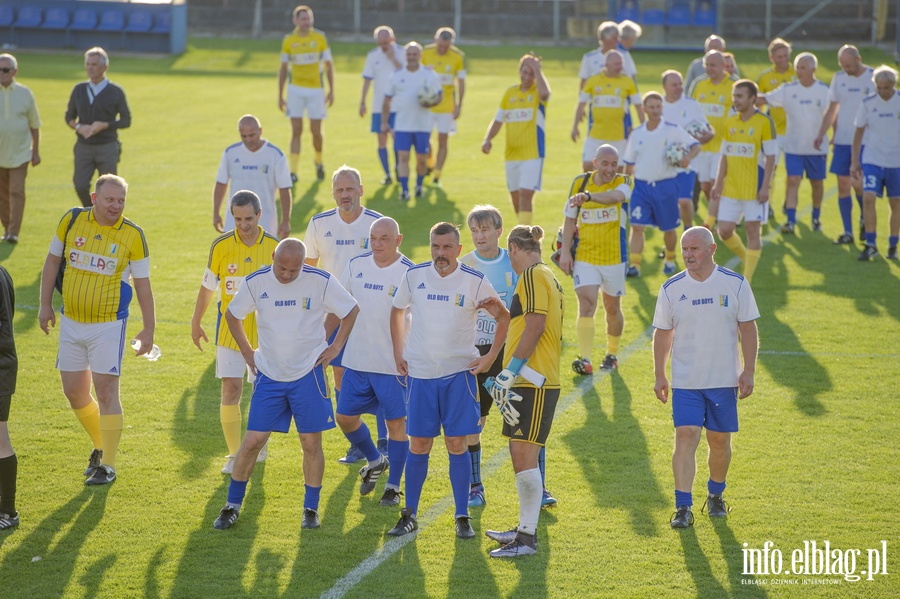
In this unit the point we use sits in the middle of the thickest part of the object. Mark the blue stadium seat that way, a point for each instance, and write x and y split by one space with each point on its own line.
628 9
139 22
679 15
57 18
7 16
29 16
705 13
112 20
653 17
85 20
163 23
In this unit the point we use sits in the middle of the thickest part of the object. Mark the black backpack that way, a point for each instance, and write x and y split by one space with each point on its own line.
62 265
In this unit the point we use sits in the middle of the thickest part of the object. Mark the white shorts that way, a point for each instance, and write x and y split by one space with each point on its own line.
95 346
306 99
611 279
444 122
230 364
524 174
706 165
731 211
589 150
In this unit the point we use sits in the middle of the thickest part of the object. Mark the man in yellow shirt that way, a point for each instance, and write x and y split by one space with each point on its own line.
781 72
306 50
448 62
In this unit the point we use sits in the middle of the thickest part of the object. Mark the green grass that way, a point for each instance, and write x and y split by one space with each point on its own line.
813 461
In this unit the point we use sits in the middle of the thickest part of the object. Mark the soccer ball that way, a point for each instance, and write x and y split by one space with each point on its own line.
428 94
697 128
676 152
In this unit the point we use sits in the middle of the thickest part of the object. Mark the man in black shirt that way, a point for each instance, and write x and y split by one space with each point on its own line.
9 366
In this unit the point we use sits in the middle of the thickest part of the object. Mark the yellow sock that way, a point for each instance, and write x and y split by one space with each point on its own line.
436 174
735 244
750 263
525 217
111 430
612 344
295 161
318 157
635 260
670 256
584 328
710 221
89 416
431 161
230 417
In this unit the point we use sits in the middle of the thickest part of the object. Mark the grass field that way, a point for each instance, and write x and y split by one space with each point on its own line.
813 460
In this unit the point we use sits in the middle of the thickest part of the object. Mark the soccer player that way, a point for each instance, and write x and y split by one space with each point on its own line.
448 63
592 62
441 362
703 314
655 198
730 65
780 73
524 110
256 165
629 32
802 104
306 50
291 300
9 369
412 125
609 94
97 110
332 239
381 62
103 249
233 256
696 70
742 186
848 88
878 118
535 336
598 204
371 379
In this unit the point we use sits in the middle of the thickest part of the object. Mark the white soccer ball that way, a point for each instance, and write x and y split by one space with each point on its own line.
676 152
429 93
697 128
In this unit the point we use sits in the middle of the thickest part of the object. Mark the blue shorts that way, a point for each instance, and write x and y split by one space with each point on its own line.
365 392
340 356
307 400
376 121
405 140
715 409
813 165
655 204
877 178
840 160
451 402
686 182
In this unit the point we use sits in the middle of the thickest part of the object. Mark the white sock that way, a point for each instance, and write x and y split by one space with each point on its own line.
528 484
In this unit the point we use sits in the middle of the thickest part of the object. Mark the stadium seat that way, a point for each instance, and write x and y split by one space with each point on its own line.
653 17
85 20
139 22
111 20
628 9
57 18
163 23
705 14
7 16
29 16
679 15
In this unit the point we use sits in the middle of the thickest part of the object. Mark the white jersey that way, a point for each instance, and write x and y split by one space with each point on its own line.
263 172
646 150
594 61
503 278
334 242
290 318
369 346
444 318
705 316
683 111
881 118
403 90
849 91
804 107
378 69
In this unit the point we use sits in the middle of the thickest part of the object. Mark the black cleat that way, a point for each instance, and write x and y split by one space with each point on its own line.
892 253
870 252
464 528
8 521
787 228
227 517
844 239
93 461
816 225
387 180
522 545
582 366
715 506
370 474
419 192
310 519
102 475
609 363
320 172
404 195
390 498
294 178
682 518
405 525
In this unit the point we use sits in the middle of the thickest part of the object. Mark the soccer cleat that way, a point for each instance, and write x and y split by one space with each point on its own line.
632 272
862 230
869 252
504 537
476 496
228 468
12 239
93 461
387 180
787 228
609 363
294 178
390 497
404 195
263 453
583 366
310 519
353 455
227 517
102 475
682 518
405 525
892 253
715 506
320 172
669 268
816 225
8 521
844 239
370 474
382 446
464 528
518 548
547 500
419 192
436 182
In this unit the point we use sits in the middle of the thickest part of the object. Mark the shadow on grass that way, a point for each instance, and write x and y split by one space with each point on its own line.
303 208
93 576
697 564
469 574
28 295
151 584
734 558
194 420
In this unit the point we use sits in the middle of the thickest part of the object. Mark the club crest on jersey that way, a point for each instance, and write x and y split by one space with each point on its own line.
306 303
232 268
460 300
392 291
509 279
79 241
364 243
723 301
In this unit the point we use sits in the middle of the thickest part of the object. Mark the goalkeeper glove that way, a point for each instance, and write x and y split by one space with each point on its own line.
508 375
502 397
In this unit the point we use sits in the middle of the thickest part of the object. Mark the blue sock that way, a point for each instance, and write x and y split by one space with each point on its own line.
791 215
715 488
381 424
416 471
397 452
845 205
817 213
475 457
459 482
892 241
683 498
404 183
419 180
542 465
870 239
382 156
859 202
311 497
362 440
236 491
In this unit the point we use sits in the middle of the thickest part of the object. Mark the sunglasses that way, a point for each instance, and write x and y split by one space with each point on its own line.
6 70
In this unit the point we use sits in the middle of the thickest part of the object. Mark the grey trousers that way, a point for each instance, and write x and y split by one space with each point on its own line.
89 158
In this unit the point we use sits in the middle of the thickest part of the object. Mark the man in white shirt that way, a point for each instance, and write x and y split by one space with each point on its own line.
381 63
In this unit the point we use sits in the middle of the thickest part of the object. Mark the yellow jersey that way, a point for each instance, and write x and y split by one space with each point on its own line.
601 227
95 287
608 98
229 262
715 100
743 141
305 54
525 115
449 67
769 80
538 292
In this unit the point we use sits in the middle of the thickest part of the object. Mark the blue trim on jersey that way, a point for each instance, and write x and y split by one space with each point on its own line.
233 146
331 212
471 271
409 263
421 265
315 271
256 273
542 108
269 145
730 273
124 299
674 279
372 213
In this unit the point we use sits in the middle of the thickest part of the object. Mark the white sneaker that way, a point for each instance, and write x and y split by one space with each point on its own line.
229 465
263 453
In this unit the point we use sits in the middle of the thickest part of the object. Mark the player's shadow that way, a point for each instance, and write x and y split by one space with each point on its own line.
533 570
734 558
92 579
151 582
615 459
305 207
195 420
469 575
697 565
29 295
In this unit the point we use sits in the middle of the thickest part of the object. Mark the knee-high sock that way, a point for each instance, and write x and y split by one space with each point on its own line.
294 162
735 244
750 263
525 217
612 344
475 459
845 205
230 417
542 466
528 484
9 467
459 481
89 416
416 471
397 453
383 158
381 424
311 497
584 328
362 440
111 430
